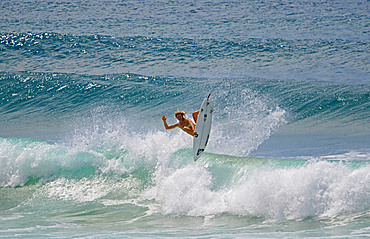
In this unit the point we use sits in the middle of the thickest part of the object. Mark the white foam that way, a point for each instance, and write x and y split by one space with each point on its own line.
245 126
88 189
318 189
346 156
185 191
158 145
83 190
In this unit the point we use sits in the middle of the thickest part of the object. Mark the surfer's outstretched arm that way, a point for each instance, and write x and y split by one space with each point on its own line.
168 126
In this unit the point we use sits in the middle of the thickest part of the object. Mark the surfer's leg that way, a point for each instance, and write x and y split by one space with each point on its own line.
195 115
189 131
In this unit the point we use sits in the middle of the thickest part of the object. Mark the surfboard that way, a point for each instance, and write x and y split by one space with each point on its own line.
203 128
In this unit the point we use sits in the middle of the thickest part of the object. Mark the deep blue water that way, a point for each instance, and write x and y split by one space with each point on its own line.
83 150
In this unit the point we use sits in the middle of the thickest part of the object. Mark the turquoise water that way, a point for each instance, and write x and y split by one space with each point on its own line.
83 150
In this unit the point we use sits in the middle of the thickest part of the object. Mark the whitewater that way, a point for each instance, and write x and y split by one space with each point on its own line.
83 149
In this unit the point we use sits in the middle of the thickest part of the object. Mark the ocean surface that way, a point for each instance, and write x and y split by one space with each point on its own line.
83 149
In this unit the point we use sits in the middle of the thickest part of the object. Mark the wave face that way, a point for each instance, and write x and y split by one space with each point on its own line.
248 112
83 150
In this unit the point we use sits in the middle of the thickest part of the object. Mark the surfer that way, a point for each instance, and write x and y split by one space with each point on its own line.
184 123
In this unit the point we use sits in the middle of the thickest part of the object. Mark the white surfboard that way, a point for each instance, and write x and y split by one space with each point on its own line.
203 128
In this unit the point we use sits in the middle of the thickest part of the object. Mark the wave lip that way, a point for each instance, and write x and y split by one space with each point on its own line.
25 162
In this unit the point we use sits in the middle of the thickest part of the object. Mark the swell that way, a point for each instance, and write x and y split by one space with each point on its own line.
98 54
25 93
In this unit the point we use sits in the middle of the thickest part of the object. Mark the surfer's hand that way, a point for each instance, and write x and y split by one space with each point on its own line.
164 118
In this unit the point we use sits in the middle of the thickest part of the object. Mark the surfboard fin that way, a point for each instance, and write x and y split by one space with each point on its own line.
200 151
